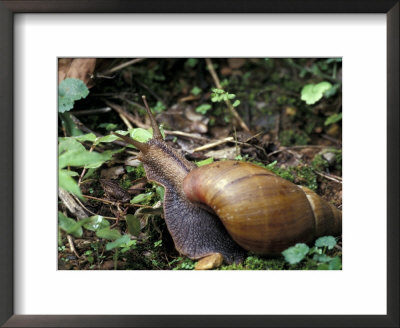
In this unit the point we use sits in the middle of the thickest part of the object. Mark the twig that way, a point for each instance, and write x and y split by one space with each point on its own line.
89 211
72 246
325 136
91 111
227 102
214 144
125 120
113 203
123 65
129 116
72 205
252 137
330 176
130 102
297 147
185 134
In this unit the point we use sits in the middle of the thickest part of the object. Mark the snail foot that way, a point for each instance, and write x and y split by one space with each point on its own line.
209 262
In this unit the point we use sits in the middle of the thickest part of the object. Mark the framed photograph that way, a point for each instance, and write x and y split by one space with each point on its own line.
308 91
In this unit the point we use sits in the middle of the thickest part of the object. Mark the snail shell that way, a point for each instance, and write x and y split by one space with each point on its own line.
262 212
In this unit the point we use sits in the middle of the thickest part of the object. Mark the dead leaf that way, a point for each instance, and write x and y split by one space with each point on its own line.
78 68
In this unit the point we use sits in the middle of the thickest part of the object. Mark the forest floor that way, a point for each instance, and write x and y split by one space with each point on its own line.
288 119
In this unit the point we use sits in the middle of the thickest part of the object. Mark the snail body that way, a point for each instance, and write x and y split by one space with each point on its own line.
230 206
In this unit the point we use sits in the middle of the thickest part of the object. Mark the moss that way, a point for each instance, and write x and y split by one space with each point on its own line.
338 164
292 137
125 182
318 163
257 262
305 176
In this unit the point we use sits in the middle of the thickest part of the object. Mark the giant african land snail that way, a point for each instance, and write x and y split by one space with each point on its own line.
228 207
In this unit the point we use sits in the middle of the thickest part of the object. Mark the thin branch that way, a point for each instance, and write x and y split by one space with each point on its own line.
227 102
128 115
106 201
330 176
214 144
185 134
123 65
125 120
72 246
297 147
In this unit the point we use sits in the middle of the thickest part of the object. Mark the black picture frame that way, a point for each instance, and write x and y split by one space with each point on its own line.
7 197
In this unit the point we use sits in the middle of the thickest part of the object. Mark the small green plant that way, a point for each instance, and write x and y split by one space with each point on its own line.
295 254
333 119
311 93
159 107
219 95
196 91
186 264
203 109
191 62
70 90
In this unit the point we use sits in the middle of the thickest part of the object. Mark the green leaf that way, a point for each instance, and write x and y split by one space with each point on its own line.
160 191
96 222
203 108
69 144
133 224
86 137
191 62
71 226
102 158
333 118
323 266
69 125
70 90
231 96
141 198
67 183
214 98
89 173
106 139
72 153
119 242
205 161
296 253
107 233
141 135
335 264
327 241
332 91
196 91
311 93
236 103
321 258
108 126
159 107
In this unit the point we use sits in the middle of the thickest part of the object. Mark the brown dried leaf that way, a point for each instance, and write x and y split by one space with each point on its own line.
78 68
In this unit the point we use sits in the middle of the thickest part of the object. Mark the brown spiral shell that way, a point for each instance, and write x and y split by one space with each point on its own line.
261 211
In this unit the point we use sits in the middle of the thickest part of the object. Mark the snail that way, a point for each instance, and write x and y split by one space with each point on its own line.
229 207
